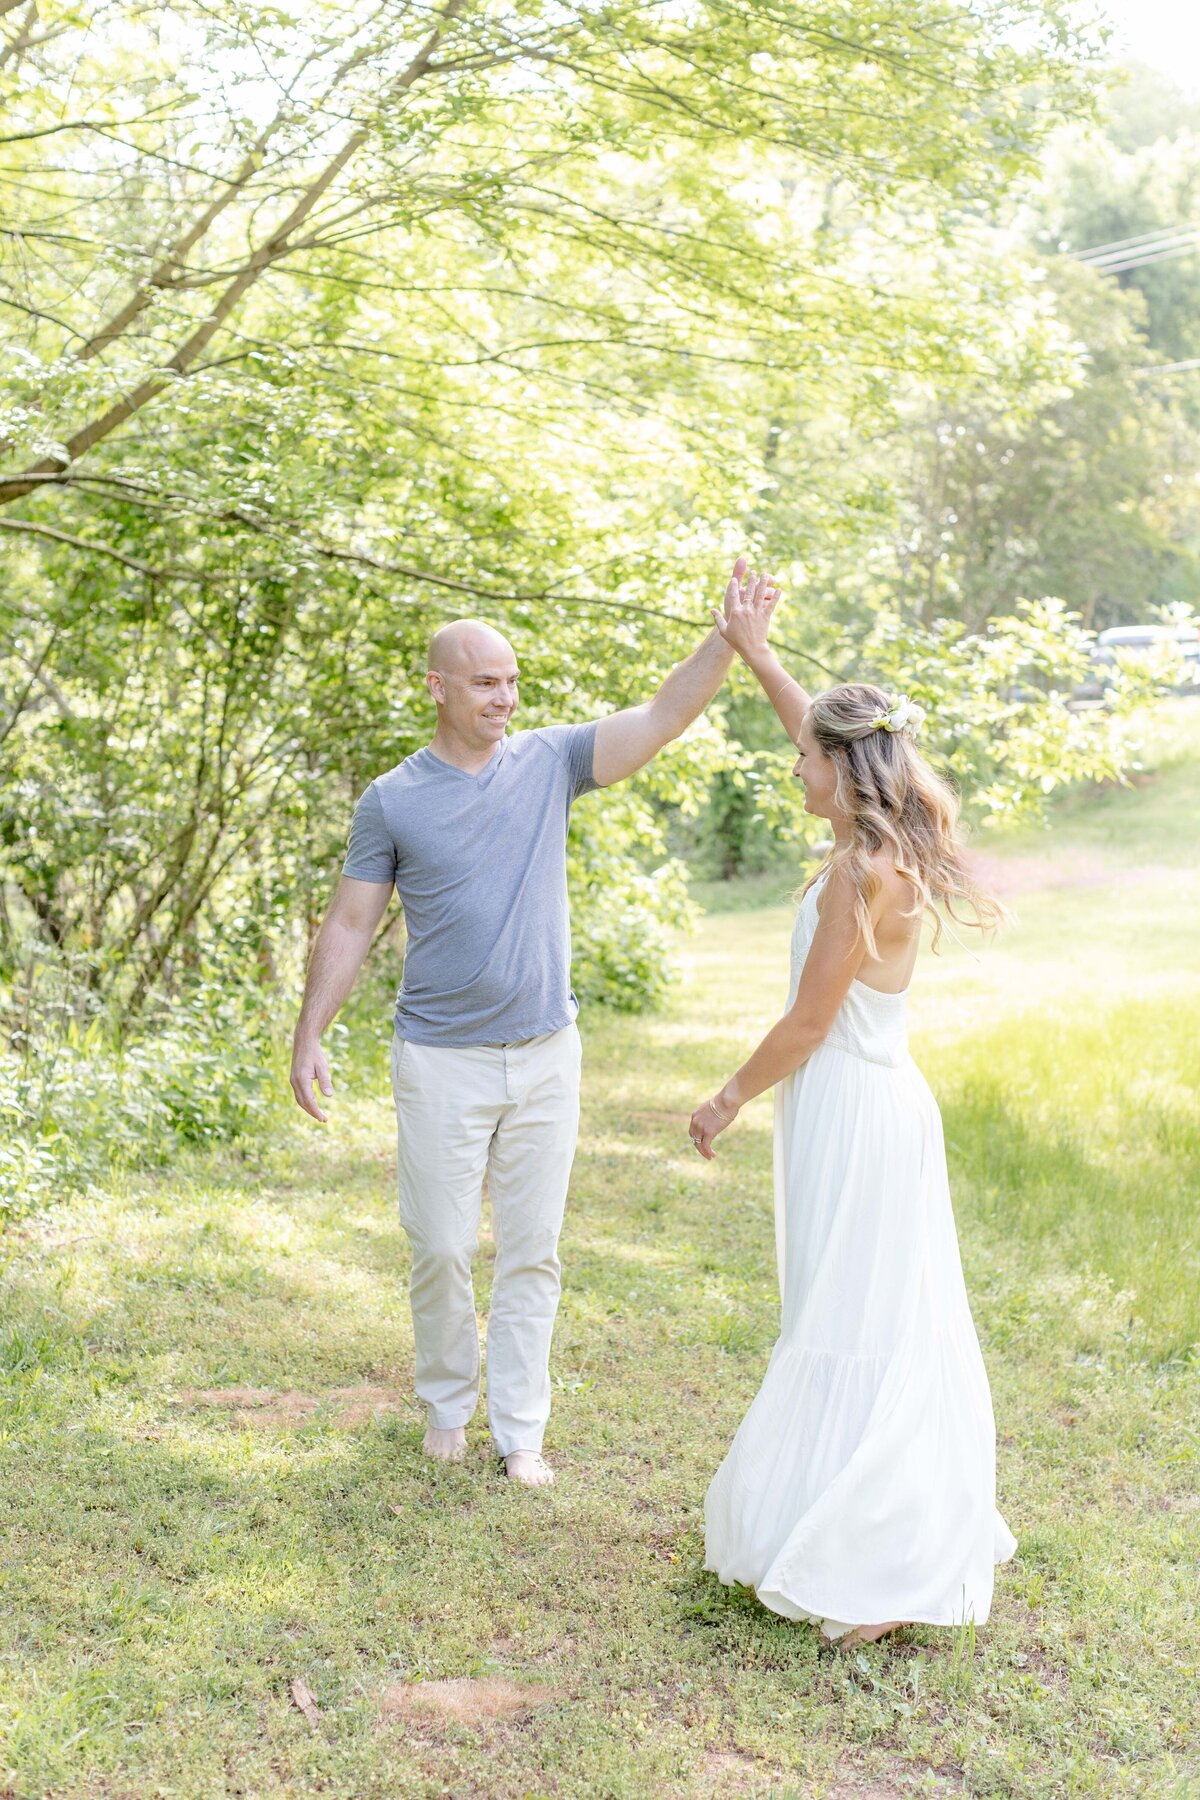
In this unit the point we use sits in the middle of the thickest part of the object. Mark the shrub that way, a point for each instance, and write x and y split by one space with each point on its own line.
85 1102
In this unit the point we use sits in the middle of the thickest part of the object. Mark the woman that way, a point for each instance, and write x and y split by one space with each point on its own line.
859 1491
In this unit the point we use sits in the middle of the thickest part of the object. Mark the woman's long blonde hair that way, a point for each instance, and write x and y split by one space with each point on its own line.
895 802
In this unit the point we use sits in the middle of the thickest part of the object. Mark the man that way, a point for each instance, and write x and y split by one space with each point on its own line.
471 832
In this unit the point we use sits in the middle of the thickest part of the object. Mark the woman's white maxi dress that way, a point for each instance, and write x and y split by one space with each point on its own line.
861 1484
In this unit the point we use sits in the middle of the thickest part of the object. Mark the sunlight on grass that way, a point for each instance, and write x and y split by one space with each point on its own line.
175 1563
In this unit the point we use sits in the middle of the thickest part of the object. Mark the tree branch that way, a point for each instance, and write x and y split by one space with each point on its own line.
276 246
35 675
164 275
78 543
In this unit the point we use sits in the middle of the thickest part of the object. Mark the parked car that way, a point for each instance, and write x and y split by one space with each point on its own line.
1186 639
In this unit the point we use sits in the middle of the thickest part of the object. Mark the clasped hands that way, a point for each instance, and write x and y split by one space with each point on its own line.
750 599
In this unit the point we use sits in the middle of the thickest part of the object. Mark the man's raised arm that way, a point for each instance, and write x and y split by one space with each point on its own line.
338 954
627 741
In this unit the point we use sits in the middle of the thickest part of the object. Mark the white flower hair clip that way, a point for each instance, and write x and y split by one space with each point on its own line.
903 715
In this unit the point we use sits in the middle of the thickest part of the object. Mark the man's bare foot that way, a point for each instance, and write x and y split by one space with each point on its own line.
528 1467
870 1634
446 1446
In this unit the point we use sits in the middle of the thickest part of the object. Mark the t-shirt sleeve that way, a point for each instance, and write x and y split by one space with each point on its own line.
371 854
575 746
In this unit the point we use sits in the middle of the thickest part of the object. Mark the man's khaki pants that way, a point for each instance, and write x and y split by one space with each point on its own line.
510 1111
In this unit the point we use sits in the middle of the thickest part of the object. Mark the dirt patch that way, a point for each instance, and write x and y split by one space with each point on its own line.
1051 1675
1184 1503
263 1408
234 1396
464 1701
895 1781
871 1791
1009 875
359 1405
724 1762
850 1783
727 1774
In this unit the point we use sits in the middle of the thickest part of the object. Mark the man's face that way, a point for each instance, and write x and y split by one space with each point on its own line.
477 694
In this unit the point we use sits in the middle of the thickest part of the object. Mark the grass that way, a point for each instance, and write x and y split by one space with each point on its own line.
210 1460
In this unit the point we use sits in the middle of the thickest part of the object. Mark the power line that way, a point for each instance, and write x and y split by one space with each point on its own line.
1193 362
1147 237
1146 261
1160 244
1166 252
1151 247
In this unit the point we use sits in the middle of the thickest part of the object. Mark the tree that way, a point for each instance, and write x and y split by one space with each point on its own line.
1079 489
1098 193
327 328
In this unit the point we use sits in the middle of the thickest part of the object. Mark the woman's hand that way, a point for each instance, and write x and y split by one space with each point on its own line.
749 604
708 1122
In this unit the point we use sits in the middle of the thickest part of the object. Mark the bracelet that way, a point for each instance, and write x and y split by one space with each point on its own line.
790 682
725 1118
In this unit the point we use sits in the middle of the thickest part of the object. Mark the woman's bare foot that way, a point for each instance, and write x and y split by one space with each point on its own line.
870 1634
446 1446
528 1467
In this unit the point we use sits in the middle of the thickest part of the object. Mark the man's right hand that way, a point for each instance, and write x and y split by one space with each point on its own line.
342 944
308 1065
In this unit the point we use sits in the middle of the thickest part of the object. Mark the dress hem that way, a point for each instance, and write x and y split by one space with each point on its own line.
807 1615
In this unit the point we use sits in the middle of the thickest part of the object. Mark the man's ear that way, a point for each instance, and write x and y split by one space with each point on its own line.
436 686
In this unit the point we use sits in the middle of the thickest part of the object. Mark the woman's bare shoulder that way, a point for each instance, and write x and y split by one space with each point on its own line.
896 889
839 894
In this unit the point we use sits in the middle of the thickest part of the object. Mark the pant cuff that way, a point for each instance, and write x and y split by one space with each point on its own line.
504 1448
447 1421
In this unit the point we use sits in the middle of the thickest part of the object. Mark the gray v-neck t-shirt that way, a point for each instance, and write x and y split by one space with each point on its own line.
479 863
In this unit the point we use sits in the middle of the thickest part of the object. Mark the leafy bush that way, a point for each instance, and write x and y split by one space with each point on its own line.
999 705
622 937
628 897
84 1103
1002 721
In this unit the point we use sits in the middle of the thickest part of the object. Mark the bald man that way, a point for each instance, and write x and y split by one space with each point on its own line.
471 832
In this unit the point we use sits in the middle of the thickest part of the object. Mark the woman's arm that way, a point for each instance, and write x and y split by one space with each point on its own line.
834 959
782 690
744 625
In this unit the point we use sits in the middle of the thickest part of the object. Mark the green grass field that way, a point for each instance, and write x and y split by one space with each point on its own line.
210 1454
